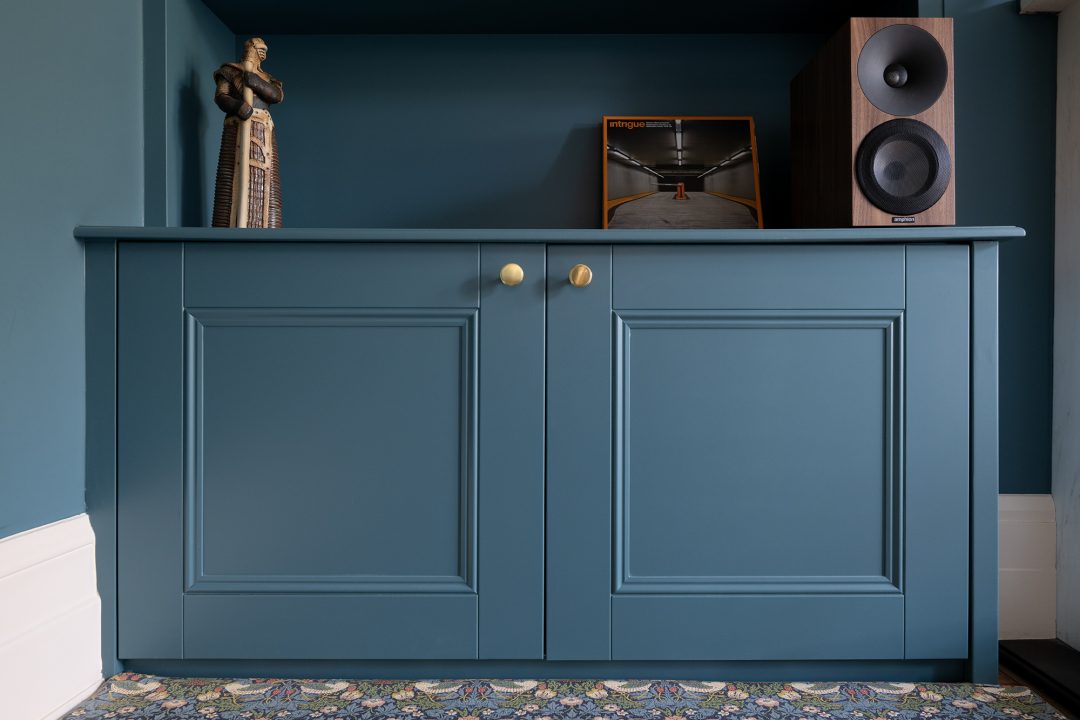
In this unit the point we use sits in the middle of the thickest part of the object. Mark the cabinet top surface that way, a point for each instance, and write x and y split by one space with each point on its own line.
554 236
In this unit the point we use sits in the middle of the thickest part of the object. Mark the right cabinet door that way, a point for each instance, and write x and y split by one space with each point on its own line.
758 453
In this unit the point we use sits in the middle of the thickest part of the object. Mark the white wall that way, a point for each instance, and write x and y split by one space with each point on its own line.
50 620
1027 588
1066 427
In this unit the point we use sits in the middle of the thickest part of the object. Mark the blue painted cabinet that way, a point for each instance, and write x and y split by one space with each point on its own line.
305 436
724 452
758 453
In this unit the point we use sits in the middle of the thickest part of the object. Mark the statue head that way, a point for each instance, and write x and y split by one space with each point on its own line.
255 50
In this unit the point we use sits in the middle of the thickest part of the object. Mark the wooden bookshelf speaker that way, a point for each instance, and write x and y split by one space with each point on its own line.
872 127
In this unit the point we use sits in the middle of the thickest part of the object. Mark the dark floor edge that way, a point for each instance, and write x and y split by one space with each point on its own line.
947 671
1050 666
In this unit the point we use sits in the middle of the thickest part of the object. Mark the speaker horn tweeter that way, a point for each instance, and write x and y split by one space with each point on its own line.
902 69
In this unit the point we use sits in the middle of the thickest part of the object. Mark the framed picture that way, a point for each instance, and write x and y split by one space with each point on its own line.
670 171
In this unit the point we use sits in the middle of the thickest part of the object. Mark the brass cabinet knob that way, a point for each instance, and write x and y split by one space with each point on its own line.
511 274
580 275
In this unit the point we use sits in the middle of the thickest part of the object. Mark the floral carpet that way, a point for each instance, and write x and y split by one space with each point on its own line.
145 697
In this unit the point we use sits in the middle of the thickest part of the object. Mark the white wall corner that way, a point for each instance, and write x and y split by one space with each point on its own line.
1029 7
1026 563
50 620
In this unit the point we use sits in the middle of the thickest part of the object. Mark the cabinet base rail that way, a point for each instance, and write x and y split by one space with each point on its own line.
731 671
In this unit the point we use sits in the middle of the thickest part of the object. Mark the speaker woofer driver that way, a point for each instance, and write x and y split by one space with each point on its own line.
902 69
903 167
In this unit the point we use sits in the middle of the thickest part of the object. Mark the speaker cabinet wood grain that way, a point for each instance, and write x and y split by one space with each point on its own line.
909 73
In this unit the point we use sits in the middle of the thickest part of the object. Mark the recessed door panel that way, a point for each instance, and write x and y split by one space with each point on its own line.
758 452
331 451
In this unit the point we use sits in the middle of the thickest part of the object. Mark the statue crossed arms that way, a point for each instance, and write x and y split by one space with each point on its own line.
248 188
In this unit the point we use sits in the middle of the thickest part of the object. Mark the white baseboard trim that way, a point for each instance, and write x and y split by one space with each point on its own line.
1027 567
62 709
50 640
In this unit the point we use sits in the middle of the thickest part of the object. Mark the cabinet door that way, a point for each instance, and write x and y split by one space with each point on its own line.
305 436
758 453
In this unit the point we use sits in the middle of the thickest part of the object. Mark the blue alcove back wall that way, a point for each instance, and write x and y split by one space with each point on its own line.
503 131
1006 91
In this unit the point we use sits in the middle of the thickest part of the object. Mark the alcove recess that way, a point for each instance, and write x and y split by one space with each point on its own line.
482 114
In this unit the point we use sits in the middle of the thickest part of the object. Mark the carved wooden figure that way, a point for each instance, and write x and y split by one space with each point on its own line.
248 188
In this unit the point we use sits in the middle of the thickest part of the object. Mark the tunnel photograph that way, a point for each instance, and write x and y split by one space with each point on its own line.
680 172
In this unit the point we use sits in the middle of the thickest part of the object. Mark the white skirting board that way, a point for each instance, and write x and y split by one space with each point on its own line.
1028 581
50 620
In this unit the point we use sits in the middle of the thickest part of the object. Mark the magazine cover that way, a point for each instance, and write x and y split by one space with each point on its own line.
680 172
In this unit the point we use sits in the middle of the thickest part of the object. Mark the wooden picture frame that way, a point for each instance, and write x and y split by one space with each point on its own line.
705 176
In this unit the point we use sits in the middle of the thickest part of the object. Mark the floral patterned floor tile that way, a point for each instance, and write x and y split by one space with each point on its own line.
130 696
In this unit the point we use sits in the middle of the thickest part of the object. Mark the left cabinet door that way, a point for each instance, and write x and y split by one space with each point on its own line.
305 435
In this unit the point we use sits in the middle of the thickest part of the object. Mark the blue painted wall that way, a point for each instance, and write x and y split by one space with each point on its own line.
503 131
190 65
72 153
1006 69
455 131
185 43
